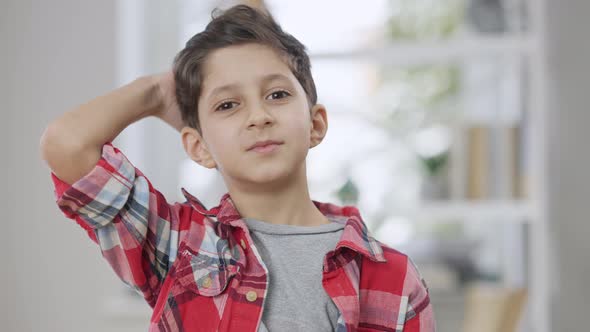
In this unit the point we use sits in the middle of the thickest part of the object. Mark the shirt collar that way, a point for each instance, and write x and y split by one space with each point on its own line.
355 235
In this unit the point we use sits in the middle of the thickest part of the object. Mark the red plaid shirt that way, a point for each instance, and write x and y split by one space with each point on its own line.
199 269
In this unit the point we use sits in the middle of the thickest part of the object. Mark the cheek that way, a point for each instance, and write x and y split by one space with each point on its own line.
220 144
299 133
298 120
226 144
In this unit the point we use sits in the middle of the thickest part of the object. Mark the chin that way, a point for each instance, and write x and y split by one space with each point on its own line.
276 171
269 174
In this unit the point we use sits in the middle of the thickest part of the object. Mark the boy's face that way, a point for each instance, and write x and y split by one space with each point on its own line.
250 95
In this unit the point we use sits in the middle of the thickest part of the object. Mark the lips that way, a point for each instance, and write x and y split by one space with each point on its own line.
261 144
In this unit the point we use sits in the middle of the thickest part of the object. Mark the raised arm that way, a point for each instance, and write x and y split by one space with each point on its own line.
135 227
71 144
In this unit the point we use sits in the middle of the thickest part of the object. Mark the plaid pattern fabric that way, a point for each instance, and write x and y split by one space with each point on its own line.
200 271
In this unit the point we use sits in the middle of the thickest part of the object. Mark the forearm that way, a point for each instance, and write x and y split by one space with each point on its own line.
72 143
103 118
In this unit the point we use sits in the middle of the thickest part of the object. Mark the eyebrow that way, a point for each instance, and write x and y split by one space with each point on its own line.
264 79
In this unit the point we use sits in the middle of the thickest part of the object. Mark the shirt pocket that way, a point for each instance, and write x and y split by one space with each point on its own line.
203 273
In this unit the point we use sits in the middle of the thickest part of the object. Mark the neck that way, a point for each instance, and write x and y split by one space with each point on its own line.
287 203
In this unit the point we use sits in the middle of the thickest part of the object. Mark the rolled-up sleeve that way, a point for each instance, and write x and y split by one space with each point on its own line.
131 221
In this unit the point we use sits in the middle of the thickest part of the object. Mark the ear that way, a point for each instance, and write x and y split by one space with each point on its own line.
196 148
319 124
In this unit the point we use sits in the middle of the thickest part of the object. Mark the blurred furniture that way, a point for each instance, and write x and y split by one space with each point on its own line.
493 308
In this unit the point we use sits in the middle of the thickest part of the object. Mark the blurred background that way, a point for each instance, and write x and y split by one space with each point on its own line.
458 127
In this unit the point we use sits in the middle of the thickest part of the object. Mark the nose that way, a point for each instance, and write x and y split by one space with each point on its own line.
259 116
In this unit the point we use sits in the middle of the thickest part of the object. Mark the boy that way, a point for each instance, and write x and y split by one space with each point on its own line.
267 258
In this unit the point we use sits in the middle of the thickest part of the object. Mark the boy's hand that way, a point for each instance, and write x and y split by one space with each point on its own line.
168 111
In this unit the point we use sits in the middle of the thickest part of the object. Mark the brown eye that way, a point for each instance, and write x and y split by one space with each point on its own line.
225 106
278 94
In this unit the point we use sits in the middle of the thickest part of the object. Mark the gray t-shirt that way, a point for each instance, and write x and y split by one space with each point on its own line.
294 255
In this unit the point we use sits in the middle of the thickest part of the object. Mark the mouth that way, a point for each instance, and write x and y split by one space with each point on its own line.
265 146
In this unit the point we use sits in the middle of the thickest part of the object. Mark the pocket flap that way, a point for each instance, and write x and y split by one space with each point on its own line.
204 274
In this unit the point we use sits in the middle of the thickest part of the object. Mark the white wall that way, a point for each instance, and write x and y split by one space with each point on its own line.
53 55
569 182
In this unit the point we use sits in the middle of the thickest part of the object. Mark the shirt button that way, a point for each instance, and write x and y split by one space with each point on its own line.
251 296
207 282
243 243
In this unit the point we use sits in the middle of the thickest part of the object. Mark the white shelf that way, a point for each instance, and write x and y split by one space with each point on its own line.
404 53
515 211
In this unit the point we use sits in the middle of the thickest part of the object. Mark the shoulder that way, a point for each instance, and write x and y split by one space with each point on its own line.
396 263
399 275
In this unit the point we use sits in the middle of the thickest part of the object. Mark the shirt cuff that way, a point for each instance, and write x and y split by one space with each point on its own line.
95 199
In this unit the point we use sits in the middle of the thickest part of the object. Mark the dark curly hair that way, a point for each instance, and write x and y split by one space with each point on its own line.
237 25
